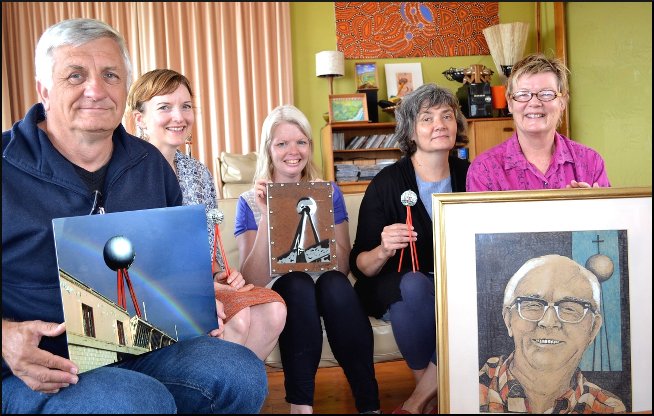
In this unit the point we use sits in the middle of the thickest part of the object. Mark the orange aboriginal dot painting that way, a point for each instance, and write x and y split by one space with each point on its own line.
413 29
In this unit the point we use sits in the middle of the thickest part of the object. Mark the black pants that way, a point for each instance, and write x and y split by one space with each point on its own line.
348 332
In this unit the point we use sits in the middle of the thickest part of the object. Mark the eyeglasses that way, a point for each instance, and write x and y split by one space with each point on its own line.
544 95
567 310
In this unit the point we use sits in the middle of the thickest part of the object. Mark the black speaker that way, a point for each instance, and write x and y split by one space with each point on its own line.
475 100
371 102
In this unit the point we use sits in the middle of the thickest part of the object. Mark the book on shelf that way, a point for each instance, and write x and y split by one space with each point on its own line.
338 141
378 141
356 142
369 142
373 141
346 171
388 139
393 143
350 144
364 142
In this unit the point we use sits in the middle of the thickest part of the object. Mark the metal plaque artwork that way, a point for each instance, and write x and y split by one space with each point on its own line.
301 227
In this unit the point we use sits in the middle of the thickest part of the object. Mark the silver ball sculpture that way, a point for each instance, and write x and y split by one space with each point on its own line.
215 216
409 198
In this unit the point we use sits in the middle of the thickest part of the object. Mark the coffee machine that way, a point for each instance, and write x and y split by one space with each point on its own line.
475 100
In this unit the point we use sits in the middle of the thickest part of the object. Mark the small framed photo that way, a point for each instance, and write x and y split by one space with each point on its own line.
347 108
559 305
365 74
401 79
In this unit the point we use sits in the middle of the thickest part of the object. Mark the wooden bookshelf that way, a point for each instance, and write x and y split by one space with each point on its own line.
483 133
350 131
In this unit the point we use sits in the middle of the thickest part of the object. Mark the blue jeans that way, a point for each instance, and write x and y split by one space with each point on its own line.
200 375
413 320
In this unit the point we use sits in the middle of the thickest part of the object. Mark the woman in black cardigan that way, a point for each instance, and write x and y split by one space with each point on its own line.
429 125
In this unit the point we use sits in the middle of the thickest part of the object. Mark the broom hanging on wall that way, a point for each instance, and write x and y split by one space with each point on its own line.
506 42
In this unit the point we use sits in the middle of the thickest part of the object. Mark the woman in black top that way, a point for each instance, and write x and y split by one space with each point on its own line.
429 125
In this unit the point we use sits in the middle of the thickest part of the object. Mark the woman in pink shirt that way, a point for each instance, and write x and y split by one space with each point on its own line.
536 156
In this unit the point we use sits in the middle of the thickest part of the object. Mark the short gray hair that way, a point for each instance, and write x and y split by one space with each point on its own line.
74 32
536 262
426 96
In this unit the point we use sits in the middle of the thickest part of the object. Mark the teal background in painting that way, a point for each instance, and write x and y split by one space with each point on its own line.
605 353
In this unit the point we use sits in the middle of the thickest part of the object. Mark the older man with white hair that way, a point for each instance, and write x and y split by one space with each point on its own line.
551 310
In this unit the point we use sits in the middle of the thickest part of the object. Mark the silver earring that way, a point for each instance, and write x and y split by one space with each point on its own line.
143 135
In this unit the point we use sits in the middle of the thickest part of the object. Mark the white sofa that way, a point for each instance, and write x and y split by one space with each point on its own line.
385 347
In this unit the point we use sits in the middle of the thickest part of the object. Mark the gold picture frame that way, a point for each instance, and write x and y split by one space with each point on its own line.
472 255
348 108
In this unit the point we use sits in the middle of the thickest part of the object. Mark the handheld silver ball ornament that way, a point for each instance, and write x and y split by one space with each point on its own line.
215 216
409 198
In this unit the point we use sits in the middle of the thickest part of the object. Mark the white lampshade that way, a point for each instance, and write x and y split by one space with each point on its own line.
330 64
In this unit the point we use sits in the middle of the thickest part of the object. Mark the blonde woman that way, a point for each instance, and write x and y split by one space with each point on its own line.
285 155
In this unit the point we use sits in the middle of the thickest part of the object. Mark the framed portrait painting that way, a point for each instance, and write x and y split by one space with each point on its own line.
401 79
543 292
348 108
366 77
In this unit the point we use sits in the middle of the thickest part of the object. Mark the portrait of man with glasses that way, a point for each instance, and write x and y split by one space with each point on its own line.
551 311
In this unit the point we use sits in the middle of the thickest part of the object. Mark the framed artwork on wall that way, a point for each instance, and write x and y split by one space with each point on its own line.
401 79
365 76
567 296
348 108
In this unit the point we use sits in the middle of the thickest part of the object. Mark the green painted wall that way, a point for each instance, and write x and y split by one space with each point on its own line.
610 60
609 54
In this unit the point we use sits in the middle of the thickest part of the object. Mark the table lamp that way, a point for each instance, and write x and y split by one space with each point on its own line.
330 64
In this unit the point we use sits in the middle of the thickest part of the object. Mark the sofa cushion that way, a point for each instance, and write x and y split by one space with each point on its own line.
237 168
233 190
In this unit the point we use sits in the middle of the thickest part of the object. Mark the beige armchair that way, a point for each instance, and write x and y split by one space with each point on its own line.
234 173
